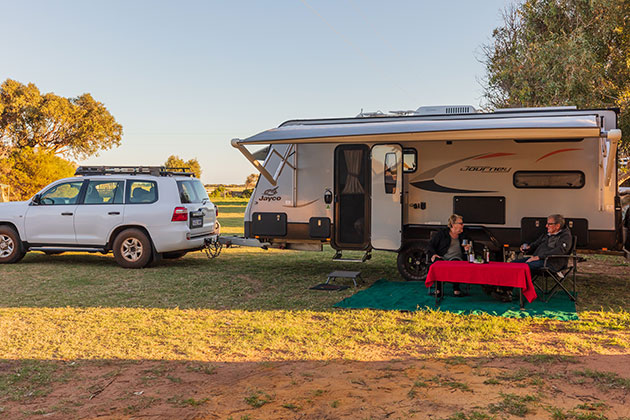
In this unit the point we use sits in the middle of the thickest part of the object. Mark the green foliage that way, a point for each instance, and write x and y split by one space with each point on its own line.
258 398
562 52
174 161
247 193
251 180
220 191
77 127
28 170
516 405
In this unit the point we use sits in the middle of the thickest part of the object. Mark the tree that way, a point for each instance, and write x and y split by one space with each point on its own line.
77 127
31 169
250 182
562 52
174 161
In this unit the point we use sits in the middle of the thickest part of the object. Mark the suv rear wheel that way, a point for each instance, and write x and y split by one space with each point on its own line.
10 246
132 249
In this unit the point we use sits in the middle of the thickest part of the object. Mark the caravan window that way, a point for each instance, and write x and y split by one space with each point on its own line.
410 160
549 179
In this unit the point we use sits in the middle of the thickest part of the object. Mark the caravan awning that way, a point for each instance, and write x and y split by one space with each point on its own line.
361 131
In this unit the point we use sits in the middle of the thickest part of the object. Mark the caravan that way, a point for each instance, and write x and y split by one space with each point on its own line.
387 181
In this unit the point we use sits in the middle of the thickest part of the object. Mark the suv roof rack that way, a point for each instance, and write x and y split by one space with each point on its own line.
133 170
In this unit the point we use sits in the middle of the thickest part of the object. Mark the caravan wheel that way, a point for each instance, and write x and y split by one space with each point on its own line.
412 263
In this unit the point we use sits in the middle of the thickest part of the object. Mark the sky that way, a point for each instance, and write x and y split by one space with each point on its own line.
185 77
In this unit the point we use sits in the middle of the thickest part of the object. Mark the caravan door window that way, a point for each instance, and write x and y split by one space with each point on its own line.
410 160
390 173
549 179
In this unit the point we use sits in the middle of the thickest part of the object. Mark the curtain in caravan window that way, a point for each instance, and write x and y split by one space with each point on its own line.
354 158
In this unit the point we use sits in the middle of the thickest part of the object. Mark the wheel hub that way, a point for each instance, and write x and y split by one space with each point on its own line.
6 246
131 249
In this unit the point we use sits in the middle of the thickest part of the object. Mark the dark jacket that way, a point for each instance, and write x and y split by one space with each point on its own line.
559 244
441 241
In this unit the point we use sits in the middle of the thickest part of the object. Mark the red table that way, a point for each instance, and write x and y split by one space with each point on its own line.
493 273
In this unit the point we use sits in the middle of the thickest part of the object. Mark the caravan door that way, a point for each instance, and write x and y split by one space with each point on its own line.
386 197
352 193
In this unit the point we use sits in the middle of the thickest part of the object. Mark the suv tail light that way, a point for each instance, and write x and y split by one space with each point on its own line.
216 211
180 214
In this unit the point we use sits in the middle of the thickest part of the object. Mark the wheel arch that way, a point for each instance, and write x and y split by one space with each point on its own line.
118 229
12 226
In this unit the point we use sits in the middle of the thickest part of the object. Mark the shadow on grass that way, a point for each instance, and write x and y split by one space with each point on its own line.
240 278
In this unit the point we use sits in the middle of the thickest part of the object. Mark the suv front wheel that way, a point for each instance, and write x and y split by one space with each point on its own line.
10 246
132 249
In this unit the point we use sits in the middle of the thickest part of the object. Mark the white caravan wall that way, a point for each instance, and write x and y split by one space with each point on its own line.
490 167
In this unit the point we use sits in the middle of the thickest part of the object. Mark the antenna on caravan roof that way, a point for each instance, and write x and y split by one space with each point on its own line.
371 114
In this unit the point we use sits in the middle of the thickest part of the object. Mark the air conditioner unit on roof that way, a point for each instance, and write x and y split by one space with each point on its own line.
446 110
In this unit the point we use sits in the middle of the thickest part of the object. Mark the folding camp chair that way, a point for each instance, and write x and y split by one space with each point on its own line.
549 281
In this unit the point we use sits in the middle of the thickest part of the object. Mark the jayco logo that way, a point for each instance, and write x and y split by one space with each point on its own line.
270 195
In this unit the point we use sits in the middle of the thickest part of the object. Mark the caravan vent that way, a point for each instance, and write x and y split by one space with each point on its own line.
446 110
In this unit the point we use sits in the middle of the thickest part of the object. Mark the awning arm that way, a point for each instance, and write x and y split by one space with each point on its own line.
236 144
613 137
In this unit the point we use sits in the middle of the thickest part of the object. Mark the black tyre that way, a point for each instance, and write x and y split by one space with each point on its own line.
174 255
412 262
132 249
10 246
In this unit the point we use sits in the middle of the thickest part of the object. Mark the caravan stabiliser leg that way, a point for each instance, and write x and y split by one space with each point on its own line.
212 248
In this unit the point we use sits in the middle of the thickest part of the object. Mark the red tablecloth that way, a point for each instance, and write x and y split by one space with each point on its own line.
493 273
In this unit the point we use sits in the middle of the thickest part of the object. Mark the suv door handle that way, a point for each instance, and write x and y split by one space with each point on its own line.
114 213
66 214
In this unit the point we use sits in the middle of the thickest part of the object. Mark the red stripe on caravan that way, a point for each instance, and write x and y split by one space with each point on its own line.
553 153
493 155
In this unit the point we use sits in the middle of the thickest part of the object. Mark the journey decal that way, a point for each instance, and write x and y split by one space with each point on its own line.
425 180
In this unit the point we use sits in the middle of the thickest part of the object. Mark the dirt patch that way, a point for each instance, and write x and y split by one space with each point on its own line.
532 387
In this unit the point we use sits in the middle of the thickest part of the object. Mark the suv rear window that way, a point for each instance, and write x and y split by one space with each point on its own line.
141 192
192 191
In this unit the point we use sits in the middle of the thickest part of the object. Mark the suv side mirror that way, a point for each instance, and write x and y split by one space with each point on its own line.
37 199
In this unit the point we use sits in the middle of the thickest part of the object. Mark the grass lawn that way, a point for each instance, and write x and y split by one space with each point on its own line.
252 305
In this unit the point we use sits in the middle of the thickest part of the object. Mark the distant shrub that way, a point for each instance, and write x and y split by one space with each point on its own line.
220 191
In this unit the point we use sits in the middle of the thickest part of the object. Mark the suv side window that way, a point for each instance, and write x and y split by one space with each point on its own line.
192 191
141 192
61 194
104 192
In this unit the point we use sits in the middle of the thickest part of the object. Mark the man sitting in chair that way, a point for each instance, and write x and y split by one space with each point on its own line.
557 241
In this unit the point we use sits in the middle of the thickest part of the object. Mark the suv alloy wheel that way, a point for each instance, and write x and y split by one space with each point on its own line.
10 246
132 249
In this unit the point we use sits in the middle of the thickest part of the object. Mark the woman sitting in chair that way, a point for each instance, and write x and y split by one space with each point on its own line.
447 245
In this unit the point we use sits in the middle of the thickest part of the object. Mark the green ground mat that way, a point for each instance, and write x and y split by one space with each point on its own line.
414 296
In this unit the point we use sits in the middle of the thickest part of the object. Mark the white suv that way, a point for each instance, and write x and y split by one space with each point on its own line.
140 213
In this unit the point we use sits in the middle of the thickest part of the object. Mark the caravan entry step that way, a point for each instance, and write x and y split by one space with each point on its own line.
339 257
354 275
